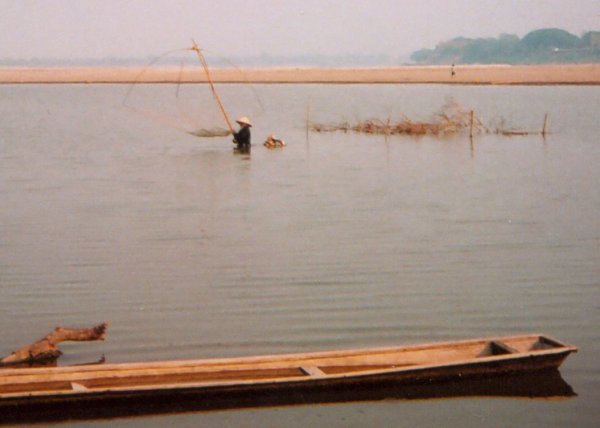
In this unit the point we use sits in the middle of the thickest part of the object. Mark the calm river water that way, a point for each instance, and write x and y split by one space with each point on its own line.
113 212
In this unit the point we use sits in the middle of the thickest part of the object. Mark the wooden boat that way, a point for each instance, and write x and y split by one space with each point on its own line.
81 388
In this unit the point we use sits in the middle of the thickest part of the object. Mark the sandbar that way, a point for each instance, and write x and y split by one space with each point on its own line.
569 74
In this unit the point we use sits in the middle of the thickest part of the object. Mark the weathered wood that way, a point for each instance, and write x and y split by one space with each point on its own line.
46 349
472 117
403 364
545 127
313 371
48 393
73 392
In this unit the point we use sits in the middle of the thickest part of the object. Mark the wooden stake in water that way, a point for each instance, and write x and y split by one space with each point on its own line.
307 118
545 125
472 122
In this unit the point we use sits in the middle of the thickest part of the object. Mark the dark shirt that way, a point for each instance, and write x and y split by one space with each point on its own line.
242 137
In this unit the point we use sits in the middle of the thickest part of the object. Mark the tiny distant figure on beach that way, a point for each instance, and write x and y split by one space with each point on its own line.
271 142
242 137
452 72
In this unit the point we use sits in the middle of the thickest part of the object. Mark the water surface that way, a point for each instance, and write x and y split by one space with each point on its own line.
112 212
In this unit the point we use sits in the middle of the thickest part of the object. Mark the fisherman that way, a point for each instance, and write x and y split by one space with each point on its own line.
242 137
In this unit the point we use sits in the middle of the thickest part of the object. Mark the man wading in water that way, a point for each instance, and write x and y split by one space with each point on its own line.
242 137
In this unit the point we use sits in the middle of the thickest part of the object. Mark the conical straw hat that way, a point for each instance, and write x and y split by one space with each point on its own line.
244 121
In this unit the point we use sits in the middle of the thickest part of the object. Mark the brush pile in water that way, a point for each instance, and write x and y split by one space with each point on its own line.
450 119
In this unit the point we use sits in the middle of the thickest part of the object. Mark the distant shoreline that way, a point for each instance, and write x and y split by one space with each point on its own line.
563 74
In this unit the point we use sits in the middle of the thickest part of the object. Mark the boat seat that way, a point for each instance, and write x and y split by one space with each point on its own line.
78 387
544 343
313 371
495 347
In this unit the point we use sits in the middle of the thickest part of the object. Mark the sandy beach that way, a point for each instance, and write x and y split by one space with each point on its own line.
574 74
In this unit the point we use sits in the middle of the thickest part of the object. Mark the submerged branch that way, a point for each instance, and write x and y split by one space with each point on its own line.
46 350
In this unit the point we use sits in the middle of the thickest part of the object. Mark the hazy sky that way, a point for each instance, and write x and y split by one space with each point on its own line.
140 28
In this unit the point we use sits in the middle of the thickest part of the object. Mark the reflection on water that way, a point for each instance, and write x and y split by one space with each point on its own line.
542 385
341 240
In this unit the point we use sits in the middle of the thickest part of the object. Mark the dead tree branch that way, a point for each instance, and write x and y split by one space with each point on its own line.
46 350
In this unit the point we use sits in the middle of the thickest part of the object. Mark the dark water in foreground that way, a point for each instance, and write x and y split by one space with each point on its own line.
343 240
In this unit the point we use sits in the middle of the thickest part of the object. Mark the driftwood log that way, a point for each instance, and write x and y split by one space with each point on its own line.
46 350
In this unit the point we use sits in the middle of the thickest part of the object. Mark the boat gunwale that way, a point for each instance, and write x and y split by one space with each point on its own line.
272 357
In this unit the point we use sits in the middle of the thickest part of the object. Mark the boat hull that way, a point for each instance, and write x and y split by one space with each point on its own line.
51 394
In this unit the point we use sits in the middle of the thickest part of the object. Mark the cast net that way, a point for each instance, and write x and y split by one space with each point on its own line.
205 110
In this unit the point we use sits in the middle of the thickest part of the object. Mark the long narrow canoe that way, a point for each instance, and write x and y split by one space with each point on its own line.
77 388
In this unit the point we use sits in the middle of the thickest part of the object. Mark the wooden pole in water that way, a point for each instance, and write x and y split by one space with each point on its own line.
545 125
307 118
212 85
472 121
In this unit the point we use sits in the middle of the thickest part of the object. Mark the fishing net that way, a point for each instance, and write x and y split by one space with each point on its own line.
198 109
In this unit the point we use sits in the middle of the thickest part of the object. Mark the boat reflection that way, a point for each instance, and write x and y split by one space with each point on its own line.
540 385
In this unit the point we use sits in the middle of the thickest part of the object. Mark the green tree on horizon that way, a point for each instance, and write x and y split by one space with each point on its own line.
547 45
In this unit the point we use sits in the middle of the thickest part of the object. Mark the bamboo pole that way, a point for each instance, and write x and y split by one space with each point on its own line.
204 64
